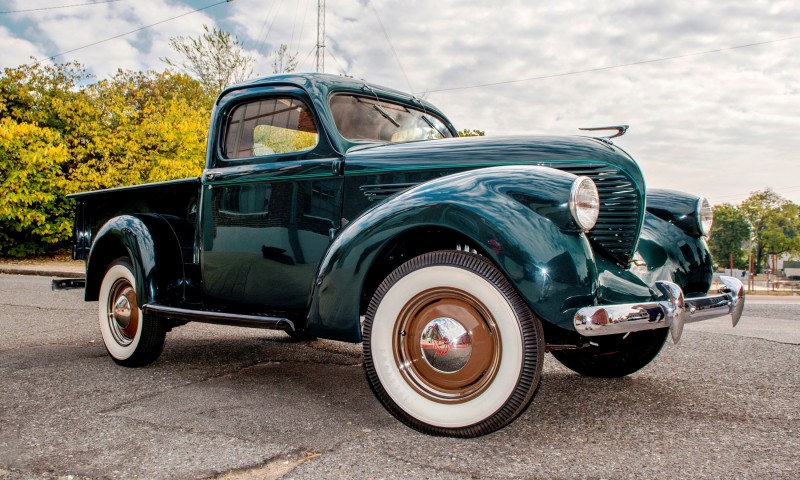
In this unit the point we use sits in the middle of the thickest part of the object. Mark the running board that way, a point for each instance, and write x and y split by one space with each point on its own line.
220 318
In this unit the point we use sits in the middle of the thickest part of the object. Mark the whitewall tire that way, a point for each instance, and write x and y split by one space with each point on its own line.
131 338
450 348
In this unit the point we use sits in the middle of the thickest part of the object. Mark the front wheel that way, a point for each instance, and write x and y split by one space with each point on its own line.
450 348
130 337
615 355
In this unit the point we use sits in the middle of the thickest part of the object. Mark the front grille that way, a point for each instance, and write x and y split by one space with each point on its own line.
617 226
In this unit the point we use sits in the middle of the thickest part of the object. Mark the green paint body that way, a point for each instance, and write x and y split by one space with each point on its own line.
307 235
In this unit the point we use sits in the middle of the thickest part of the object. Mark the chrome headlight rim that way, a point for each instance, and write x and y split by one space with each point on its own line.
584 203
704 215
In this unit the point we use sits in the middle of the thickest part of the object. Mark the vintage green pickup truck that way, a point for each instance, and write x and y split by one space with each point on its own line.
333 208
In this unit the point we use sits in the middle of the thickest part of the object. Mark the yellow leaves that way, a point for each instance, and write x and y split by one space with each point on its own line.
32 181
58 138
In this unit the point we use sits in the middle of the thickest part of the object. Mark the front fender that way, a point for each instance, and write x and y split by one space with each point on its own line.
151 244
670 253
518 216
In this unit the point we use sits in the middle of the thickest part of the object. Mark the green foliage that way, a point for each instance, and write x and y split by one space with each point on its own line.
34 214
150 127
61 134
45 95
268 139
471 133
729 233
775 224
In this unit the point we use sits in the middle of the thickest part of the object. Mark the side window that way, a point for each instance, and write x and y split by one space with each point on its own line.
269 126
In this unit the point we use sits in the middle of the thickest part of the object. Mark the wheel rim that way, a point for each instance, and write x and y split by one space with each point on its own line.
122 312
447 346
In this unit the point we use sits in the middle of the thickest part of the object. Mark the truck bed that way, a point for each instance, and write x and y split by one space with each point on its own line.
175 198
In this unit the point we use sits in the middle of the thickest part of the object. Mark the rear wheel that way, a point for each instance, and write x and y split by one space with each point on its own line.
615 355
449 346
131 338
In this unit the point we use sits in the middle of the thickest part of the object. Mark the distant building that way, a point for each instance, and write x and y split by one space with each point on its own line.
791 269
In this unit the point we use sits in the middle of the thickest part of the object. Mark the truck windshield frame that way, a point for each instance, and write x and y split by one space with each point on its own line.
360 118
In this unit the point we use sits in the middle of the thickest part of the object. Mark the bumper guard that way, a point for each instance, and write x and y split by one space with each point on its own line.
673 311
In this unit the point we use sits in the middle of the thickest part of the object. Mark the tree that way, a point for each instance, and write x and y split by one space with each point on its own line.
60 134
152 126
34 213
284 61
775 224
471 133
48 96
44 116
216 58
729 233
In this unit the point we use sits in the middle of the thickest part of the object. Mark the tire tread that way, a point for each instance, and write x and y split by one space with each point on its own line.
532 335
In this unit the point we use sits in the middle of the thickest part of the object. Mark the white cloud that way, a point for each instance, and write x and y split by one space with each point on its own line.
16 51
722 124
56 31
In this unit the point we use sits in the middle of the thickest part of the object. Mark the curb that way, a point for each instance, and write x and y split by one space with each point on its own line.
41 273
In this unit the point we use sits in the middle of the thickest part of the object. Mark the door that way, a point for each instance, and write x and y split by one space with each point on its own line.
270 202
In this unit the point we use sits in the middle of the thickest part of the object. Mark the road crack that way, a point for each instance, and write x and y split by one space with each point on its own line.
42 308
273 469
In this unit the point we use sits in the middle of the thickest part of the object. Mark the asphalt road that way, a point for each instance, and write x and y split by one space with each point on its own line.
231 403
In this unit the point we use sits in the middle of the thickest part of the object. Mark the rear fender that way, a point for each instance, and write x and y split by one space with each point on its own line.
154 249
517 216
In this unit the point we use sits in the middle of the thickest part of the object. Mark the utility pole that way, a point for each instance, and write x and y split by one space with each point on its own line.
731 259
320 35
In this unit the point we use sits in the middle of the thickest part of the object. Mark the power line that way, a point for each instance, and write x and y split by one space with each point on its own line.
133 31
266 35
599 69
302 64
344 70
264 25
391 46
302 29
294 24
62 6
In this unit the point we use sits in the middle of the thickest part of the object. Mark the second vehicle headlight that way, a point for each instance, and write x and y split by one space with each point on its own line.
705 216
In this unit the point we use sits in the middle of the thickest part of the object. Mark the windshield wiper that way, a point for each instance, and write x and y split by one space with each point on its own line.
385 115
431 124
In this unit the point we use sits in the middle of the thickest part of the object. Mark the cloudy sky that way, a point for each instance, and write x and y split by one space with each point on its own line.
710 89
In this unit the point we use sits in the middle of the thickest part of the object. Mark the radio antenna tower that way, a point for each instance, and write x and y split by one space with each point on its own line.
320 35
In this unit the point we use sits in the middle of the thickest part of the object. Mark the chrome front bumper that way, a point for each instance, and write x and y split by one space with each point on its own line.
673 311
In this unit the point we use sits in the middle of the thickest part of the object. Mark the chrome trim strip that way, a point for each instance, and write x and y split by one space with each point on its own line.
672 311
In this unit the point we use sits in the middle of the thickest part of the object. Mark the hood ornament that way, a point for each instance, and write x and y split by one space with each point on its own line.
621 129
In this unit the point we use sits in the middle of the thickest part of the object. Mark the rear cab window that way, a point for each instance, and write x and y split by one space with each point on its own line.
269 126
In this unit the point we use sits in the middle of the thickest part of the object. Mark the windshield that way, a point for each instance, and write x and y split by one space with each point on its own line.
369 119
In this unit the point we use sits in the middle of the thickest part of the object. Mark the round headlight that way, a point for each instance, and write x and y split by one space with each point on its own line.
705 216
584 203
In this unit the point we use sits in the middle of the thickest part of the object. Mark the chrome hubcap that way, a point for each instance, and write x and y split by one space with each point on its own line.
123 312
446 345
